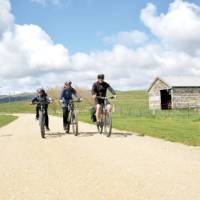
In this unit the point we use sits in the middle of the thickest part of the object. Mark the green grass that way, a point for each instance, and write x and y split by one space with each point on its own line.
16 107
6 119
132 114
171 129
183 131
21 107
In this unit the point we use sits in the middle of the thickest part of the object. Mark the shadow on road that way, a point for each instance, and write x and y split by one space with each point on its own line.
87 134
113 135
121 134
55 134
8 135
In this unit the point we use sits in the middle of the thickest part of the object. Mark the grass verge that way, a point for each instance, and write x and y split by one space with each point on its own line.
6 119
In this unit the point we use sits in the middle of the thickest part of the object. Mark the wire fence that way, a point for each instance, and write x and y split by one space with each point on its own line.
190 113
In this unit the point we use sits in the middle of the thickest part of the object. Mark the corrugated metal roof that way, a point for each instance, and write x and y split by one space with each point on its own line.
182 81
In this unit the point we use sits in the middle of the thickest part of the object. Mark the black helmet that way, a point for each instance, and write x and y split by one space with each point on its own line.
101 76
41 90
68 82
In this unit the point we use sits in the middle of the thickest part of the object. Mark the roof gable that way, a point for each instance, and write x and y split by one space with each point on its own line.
179 81
157 79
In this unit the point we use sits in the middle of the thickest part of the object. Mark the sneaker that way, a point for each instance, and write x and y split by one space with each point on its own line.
47 128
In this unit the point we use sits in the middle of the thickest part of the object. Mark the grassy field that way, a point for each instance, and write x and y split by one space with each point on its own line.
6 119
16 107
131 113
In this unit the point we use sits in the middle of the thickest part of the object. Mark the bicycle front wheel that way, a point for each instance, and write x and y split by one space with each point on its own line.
108 124
42 124
100 126
74 123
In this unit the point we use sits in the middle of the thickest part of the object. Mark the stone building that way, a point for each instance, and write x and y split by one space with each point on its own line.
174 92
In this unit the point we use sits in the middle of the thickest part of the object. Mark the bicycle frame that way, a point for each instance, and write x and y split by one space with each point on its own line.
72 117
70 106
42 113
42 105
106 118
104 106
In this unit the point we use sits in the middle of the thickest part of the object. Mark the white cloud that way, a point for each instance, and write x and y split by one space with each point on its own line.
40 50
29 58
127 38
6 18
30 51
179 27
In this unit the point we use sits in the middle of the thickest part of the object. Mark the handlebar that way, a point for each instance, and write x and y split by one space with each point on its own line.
98 97
41 102
71 101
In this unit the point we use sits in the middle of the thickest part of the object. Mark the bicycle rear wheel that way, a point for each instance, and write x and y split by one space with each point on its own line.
74 123
42 124
108 124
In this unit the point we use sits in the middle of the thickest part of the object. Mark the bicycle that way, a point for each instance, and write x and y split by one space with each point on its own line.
42 113
106 118
72 120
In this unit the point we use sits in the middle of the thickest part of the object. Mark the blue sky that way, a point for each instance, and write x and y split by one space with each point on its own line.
81 24
130 41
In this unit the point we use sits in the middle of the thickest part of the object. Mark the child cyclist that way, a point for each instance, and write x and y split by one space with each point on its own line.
42 97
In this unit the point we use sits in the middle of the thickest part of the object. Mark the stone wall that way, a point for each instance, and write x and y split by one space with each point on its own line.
154 94
184 97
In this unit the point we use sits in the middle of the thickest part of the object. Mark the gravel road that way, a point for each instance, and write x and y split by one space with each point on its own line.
92 166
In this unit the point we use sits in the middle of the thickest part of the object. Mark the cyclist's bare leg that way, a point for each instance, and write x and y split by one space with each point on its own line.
109 107
98 112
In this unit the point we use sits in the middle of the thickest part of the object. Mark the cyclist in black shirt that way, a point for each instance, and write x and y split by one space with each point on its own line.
42 97
99 89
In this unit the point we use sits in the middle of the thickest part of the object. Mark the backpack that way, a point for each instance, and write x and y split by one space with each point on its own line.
93 114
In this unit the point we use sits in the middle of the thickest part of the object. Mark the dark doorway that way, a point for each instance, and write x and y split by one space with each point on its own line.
166 99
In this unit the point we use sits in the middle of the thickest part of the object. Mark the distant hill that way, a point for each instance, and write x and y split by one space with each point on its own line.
13 98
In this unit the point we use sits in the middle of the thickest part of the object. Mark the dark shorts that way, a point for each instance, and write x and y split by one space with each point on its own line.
101 101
